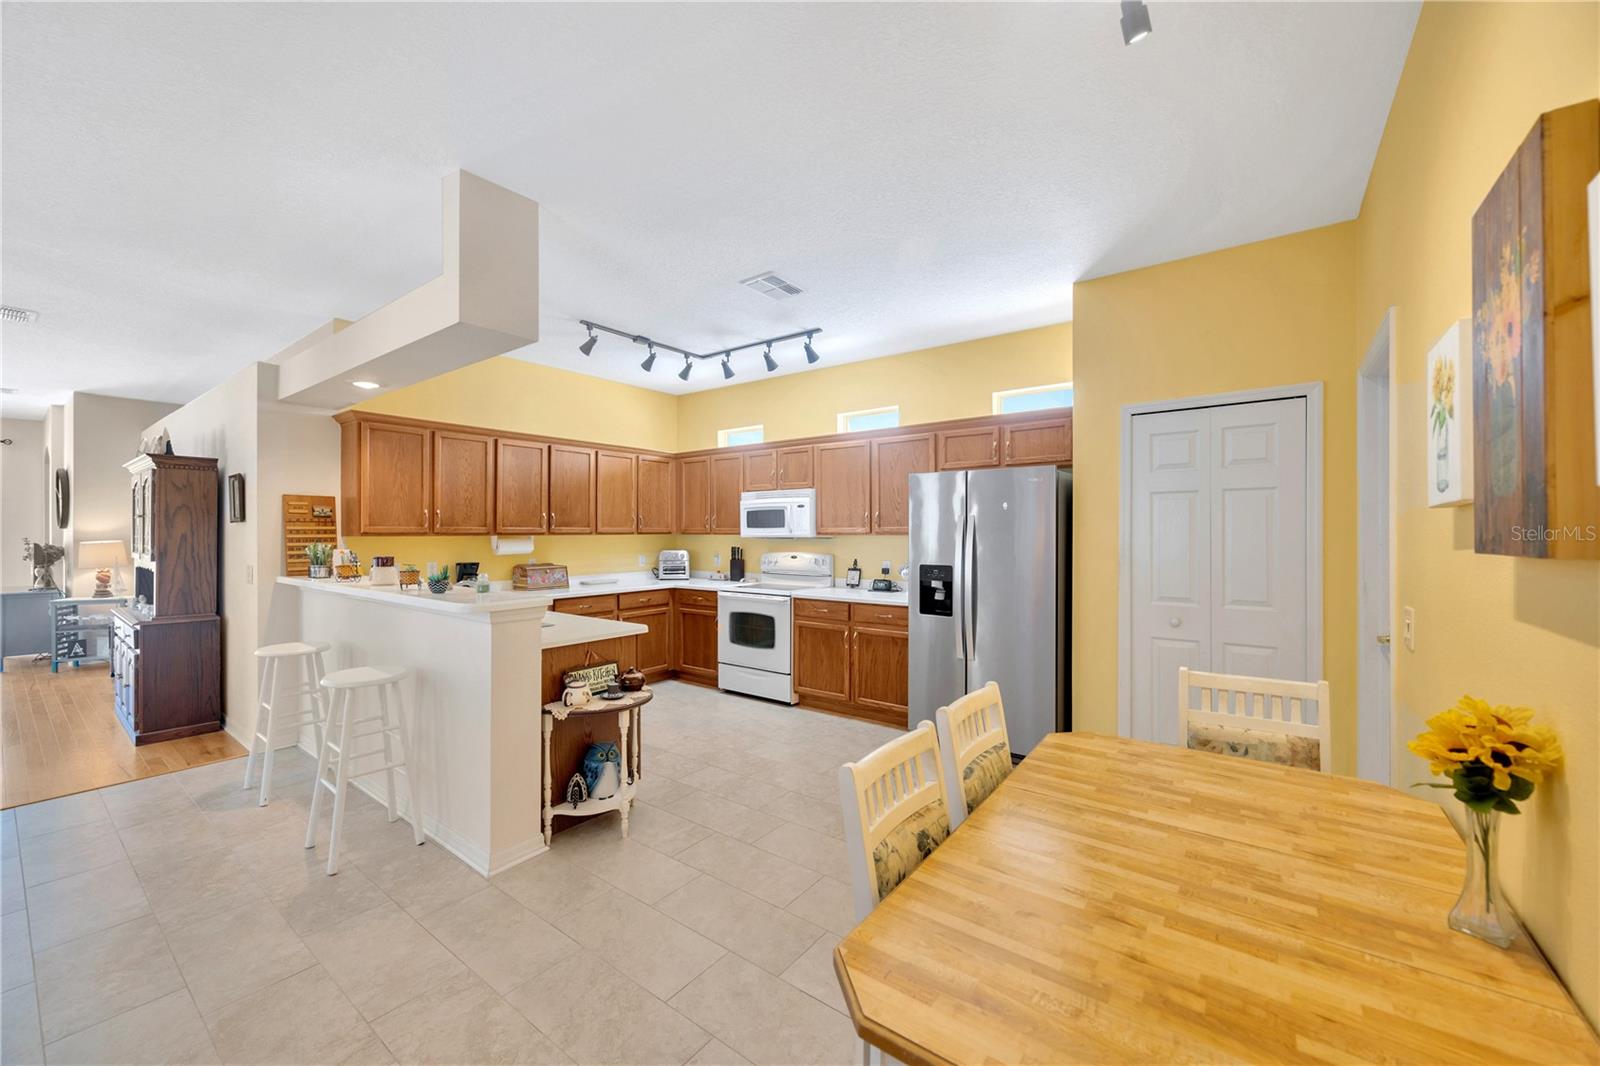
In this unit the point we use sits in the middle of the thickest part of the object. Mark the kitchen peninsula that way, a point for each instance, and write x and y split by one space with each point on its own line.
474 695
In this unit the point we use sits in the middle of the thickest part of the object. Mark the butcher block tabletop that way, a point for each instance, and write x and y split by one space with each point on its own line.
1121 901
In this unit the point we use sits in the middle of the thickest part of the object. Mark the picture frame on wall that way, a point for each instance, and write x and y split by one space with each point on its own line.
236 497
1449 414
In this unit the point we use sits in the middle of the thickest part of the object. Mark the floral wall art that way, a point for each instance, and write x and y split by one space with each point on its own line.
1450 418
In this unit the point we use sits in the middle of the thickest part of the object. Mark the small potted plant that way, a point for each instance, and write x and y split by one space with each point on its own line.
1493 756
317 556
439 580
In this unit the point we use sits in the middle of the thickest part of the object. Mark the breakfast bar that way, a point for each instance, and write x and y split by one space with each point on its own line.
477 670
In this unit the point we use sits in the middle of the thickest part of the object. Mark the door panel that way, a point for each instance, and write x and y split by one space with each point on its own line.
694 495
654 647
655 494
894 460
463 482
760 470
695 631
938 661
396 479
963 449
520 487
571 489
616 492
844 488
794 467
822 659
1043 441
727 475
879 666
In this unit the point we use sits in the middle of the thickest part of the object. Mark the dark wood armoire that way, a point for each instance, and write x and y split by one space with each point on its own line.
166 662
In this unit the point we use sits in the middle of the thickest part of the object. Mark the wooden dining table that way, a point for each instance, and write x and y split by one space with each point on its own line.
1121 901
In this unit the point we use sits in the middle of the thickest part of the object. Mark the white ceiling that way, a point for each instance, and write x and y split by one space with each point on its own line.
190 187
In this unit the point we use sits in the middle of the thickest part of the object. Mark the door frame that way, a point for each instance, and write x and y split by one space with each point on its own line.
1311 392
1375 482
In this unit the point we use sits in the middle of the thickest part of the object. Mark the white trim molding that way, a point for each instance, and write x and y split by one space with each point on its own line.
1311 392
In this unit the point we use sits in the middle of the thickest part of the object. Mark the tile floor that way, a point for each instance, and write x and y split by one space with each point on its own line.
173 920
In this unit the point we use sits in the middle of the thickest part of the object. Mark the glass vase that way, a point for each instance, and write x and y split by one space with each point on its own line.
1481 910
1441 465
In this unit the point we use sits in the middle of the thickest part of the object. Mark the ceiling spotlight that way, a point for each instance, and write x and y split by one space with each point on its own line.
683 375
366 384
727 367
811 353
772 364
1135 21
588 346
649 360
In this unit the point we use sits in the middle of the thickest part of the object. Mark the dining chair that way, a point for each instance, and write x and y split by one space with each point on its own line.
973 749
894 814
1260 718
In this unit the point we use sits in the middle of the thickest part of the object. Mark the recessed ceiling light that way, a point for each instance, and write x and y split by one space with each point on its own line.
366 384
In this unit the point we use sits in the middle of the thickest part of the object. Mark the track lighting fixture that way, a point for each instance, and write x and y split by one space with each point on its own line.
726 354
1135 21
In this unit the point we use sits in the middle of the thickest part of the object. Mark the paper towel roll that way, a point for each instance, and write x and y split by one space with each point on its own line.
511 545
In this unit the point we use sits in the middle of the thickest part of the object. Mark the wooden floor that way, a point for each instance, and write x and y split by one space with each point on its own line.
59 735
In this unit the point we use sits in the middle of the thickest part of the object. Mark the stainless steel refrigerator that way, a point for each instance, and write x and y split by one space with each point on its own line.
991 557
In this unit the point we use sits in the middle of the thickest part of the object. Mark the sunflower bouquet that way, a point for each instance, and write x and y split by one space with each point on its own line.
1493 756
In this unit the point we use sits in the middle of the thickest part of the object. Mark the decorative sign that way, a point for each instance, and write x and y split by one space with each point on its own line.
599 677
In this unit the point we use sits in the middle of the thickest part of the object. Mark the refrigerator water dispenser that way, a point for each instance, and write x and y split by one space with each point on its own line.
934 594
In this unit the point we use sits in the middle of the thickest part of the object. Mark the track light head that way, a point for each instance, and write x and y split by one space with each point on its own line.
811 353
727 367
649 360
772 364
588 346
1135 21
688 365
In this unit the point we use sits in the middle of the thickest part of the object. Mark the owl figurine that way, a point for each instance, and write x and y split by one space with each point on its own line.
602 770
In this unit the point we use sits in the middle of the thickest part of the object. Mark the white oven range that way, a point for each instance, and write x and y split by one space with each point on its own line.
755 653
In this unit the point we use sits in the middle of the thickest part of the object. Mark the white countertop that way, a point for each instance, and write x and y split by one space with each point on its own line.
612 584
562 630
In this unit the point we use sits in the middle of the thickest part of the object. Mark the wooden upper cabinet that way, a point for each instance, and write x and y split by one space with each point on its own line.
694 495
396 478
760 470
463 482
968 449
571 489
655 494
794 468
894 460
727 478
1046 440
844 487
521 490
616 492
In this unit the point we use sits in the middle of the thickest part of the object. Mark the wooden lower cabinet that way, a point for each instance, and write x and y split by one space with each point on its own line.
880 663
593 606
694 635
852 659
654 610
821 660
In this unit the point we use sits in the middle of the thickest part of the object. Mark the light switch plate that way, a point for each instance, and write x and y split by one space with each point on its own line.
249 574
1408 628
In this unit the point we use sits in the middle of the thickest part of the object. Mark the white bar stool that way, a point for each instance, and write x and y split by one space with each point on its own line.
281 713
336 749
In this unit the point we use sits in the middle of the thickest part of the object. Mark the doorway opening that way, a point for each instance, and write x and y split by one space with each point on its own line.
1375 557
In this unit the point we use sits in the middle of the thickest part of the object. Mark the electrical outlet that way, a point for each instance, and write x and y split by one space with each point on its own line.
644 560
1408 628
249 573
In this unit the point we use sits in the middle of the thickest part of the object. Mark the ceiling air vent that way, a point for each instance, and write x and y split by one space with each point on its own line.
769 284
17 314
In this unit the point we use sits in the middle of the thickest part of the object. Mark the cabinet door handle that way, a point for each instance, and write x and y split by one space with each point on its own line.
994 448
864 522
1008 448
436 518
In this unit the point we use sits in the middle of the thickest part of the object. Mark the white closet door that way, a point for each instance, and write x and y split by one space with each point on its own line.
1258 539
1171 561
1217 550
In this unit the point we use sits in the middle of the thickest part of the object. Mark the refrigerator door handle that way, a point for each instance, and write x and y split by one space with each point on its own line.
960 591
969 619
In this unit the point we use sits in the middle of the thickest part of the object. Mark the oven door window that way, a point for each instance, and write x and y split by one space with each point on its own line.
766 518
748 629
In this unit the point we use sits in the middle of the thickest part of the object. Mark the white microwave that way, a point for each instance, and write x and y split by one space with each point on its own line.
784 513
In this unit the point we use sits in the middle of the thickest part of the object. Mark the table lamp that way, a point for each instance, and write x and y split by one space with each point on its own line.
103 557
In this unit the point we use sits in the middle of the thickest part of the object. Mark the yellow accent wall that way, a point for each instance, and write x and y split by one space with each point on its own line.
952 381
1520 631
1305 307
1274 313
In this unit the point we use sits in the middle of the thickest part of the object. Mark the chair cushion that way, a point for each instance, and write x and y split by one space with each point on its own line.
1257 744
908 844
983 774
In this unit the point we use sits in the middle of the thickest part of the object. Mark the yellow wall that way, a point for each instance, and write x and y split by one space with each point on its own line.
1273 313
1524 631
1305 307
954 381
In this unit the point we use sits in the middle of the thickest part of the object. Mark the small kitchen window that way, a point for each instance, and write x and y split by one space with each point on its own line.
871 418
1036 398
732 438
